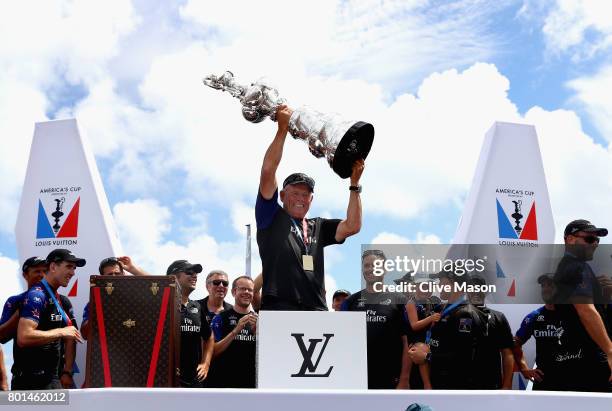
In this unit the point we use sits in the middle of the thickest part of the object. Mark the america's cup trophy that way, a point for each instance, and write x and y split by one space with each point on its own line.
340 141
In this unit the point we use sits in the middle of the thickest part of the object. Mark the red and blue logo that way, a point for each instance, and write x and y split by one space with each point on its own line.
57 226
521 229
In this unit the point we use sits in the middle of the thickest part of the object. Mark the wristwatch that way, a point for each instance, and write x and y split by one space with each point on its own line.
69 373
356 188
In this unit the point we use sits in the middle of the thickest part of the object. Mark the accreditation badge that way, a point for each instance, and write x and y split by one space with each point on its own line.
307 262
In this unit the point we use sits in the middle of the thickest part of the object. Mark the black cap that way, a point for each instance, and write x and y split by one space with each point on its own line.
545 278
476 280
407 278
299 178
340 292
586 226
61 254
445 274
33 262
183 266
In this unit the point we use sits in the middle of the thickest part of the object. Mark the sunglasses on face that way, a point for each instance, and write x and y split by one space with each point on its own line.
219 282
589 239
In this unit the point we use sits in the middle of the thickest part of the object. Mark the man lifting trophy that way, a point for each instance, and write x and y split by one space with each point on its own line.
340 141
291 245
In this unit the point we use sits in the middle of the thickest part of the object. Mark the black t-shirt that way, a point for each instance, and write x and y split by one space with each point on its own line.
234 367
209 314
281 246
465 348
386 324
194 329
575 278
497 335
41 362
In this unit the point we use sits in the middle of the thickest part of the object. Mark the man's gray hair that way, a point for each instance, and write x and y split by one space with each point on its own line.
214 272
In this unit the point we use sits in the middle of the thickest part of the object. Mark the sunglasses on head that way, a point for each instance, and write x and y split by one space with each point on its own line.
589 239
219 282
110 260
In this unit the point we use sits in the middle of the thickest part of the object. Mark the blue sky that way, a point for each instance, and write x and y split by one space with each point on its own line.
180 165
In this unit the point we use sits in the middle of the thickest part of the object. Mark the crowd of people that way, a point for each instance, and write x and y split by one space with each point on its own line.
446 341
420 341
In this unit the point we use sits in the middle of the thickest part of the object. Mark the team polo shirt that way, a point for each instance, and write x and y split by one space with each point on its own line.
194 329
234 367
41 361
209 314
385 326
574 277
11 305
590 371
86 313
281 246
546 328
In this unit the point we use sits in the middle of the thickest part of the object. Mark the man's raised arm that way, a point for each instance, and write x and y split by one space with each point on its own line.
267 180
352 224
592 322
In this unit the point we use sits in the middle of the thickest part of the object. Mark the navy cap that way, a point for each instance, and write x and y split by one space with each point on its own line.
407 278
545 278
586 226
183 266
299 178
33 262
341 292
61 254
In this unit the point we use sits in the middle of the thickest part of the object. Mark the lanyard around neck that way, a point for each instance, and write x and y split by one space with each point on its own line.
67 320
304 236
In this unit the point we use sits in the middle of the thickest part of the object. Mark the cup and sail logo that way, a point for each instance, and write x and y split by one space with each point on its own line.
516 216
58 216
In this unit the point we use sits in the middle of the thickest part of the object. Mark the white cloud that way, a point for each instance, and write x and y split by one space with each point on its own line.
578 171
46 48
143 227
393 238
152 119
330 288
593 93
393 42
582 28
20 106
12 284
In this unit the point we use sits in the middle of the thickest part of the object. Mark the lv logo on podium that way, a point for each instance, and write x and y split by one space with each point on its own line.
308 369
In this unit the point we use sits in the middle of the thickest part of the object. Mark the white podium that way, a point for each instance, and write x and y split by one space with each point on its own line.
312 350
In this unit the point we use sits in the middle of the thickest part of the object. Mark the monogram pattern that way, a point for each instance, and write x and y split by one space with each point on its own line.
130 348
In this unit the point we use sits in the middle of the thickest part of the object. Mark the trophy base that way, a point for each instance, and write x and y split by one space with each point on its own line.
354 145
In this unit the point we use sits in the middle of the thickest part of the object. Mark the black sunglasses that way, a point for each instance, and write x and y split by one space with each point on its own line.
589 239
110 260
218 282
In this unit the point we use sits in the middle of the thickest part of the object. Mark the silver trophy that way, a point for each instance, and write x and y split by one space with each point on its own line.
340 141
